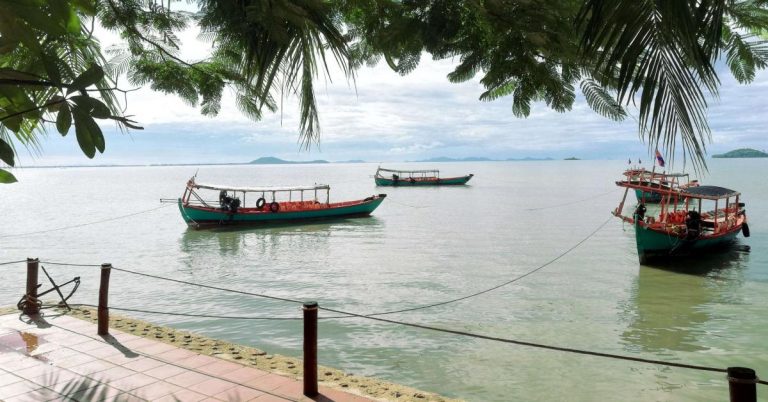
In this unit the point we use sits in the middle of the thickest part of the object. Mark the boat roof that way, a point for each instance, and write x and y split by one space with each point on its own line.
643 171
709 192
259 189
409 171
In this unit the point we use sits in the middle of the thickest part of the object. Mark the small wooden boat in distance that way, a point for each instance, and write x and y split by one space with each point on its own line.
263 205
389 177
688 221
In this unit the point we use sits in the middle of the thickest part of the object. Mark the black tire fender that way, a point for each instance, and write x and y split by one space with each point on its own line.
260 203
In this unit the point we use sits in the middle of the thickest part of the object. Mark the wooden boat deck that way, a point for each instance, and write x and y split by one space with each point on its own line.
62 358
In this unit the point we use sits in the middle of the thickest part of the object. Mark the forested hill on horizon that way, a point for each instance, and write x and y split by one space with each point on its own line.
743 153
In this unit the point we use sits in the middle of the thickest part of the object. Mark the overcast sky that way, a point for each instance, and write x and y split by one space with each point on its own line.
387 117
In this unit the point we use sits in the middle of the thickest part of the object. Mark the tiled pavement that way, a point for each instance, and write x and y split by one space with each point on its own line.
60 358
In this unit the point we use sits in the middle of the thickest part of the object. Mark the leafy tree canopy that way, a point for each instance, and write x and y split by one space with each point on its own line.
657 55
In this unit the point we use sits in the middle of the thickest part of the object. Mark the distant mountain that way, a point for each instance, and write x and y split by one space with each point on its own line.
528 158
572 158
271 160
446 159
351 161
743 153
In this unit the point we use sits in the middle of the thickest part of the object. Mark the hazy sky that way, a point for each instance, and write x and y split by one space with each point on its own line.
387 117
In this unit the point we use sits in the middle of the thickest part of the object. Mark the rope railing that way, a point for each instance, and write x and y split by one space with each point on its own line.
227 317
103 311
12 262
424 327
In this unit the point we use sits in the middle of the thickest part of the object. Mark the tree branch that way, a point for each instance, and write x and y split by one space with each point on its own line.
56 102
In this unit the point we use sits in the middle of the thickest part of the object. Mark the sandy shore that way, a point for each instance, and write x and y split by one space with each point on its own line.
248 356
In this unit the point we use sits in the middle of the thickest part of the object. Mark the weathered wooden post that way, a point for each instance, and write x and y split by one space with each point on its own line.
310 349
103 312
742 383
30 307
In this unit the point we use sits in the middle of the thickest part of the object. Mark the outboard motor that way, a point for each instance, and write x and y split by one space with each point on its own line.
234 204
692 225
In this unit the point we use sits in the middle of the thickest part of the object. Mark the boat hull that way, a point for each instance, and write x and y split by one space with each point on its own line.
198 217
648 197
450 181
654 244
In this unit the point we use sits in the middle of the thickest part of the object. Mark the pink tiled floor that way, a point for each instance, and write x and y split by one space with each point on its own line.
62 358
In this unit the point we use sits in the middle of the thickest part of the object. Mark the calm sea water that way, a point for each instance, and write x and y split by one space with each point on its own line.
423 245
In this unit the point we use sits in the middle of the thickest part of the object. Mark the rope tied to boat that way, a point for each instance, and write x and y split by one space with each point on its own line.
85 224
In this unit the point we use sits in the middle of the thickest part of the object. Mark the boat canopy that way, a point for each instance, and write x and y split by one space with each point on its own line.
259 189
709 192
409 171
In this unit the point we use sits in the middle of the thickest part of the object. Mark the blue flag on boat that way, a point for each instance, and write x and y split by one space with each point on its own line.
659 158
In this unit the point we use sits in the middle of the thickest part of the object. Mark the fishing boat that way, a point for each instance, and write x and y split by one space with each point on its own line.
261 205
389 177
656 181
688 220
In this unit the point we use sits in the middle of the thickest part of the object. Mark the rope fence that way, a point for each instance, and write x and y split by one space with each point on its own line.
310 310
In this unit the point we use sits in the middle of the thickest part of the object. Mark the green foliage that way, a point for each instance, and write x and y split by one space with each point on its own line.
50 68
6 177
656 54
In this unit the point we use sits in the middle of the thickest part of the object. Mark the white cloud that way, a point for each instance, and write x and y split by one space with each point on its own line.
418 115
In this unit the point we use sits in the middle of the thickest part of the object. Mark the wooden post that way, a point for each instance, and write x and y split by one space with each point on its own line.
103 311
742 383
30 307
310 349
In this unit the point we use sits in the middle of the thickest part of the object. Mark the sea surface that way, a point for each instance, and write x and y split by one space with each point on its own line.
421 246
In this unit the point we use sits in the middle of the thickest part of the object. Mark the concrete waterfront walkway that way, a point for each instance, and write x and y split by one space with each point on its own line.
61 358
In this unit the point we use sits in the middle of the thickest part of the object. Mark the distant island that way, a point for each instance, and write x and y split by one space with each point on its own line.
479 159
271 160
743 153
572 158
446 159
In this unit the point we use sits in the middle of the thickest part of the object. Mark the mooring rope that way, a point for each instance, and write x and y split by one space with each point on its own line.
561 255
85 224
572 202
551 261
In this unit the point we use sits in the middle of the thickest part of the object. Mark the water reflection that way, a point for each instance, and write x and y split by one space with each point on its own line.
266 240
669 303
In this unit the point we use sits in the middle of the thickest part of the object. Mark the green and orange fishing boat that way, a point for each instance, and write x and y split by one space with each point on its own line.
264 205
688 220
389 177
656 181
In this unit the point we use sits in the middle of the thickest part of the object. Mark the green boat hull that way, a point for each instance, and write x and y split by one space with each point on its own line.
647 196
452 181
653 244
199 217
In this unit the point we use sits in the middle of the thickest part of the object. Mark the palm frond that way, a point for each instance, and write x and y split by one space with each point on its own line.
601 101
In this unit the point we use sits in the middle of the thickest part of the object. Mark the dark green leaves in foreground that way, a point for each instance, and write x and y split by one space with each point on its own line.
89 135
7 156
